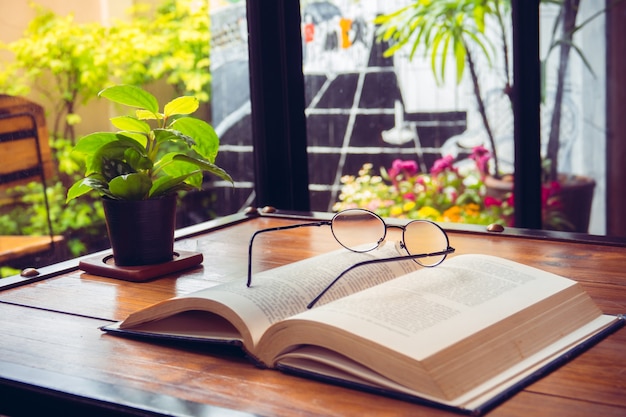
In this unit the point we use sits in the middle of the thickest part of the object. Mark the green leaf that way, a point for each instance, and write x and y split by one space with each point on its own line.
77 189
205 166
173 168
137 160
131 124
181 105
195 179
88 147
479 17
115 149
434 56
131 96
110 168
205 138
85 185
148 115
110 159
444 56
584 59
140 138
166 135
90 144
459 53
168 185
134 186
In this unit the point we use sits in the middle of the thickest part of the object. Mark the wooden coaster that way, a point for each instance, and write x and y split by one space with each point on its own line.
104 265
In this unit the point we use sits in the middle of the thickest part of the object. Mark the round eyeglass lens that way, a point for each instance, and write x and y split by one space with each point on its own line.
422 236
358 230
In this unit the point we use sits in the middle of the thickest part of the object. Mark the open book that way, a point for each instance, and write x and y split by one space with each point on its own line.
462 335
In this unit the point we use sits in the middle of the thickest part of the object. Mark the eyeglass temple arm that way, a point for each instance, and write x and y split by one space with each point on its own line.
273 229
447 251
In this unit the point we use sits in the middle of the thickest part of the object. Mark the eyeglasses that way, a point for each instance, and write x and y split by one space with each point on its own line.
360 230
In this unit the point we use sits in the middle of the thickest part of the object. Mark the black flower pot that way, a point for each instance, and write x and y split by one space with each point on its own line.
141 232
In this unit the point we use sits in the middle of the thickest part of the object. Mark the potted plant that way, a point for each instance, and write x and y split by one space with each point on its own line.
576 191
440 26
139 170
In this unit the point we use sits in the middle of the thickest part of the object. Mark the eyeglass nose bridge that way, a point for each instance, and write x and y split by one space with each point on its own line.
401 241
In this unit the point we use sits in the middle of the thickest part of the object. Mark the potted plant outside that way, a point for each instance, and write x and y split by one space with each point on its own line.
460 26
576 191
140 169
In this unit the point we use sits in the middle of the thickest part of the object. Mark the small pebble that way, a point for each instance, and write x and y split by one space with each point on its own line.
251 211
29 272
494 227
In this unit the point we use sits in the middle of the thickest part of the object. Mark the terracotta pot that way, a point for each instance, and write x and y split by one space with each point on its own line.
499 187
576 196
141 232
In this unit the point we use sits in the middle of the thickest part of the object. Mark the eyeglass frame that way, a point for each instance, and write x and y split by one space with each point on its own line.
448 250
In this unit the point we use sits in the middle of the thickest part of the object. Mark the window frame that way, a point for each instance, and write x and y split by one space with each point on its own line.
279 123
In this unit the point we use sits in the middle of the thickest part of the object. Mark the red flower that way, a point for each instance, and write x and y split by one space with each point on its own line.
511 201
492 201
548 191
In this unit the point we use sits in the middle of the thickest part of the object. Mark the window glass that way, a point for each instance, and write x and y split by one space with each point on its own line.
230 104
59 55
375 95
575 76
366 107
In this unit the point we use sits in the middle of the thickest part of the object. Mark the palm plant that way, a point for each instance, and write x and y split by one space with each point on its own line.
456 25
460 25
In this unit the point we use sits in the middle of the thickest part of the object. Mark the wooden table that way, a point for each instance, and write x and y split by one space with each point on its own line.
53 355
12 247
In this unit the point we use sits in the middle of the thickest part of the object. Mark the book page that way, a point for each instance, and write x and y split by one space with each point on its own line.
463 321
441 305
280 292
434 303
324 363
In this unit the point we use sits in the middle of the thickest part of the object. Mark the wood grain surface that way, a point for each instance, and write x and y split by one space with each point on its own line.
51 345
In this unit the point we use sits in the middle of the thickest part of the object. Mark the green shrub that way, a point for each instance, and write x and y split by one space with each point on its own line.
68 63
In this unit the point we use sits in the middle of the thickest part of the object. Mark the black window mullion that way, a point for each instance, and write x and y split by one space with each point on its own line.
277 102
526 105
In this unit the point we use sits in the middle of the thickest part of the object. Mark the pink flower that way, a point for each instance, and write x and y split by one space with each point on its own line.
410 167
442 164
373 205
394 171
481 156
399 167
405 167
409 196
